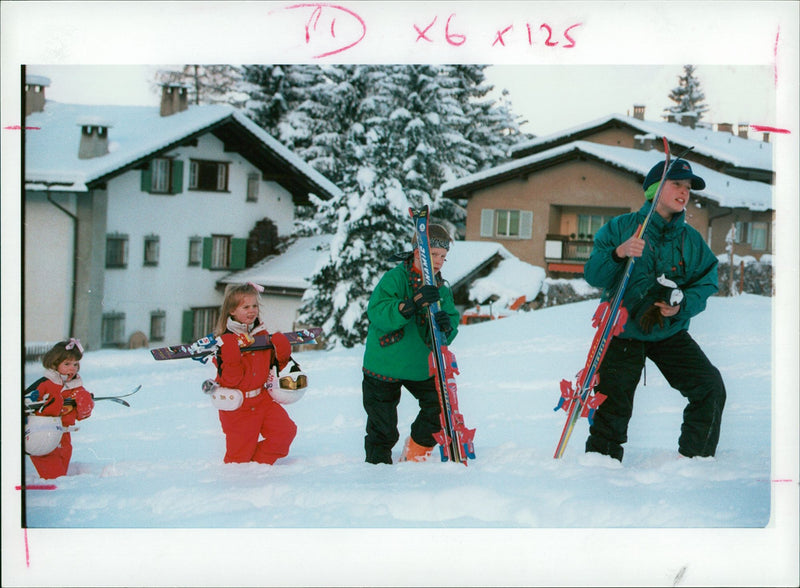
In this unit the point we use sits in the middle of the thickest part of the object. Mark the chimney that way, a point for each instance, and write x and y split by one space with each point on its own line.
638 111
743 130
174 99
725 128
94 137
34 93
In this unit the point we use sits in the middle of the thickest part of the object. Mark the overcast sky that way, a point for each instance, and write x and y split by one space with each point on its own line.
549 97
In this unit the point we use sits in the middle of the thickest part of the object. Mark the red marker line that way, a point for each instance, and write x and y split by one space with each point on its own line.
19 128
760 128
38 487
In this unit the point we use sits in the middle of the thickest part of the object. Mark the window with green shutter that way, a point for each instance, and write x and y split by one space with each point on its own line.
163 176
224 252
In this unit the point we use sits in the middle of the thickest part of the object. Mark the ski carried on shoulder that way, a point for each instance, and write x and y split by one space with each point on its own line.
455 439
33 406
206 346
609 320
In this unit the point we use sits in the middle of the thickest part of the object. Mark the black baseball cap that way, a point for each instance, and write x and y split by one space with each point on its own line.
681 170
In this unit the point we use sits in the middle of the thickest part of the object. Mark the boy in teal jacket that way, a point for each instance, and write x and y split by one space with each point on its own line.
397 351
674 274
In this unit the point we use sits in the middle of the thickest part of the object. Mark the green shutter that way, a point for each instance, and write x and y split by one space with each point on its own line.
208 243
187 327
147 178
238 253
177 176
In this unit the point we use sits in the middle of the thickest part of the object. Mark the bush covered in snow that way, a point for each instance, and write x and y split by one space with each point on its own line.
562 291
750 275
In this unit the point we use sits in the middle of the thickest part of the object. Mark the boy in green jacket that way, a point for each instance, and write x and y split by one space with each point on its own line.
675 272
397 351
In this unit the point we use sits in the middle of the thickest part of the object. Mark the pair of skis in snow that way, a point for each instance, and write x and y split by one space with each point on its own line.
455 439
609 319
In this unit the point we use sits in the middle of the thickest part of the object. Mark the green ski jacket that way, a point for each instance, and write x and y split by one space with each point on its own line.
672 248
398 348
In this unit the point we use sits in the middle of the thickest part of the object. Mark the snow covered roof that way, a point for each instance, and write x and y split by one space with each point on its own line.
293 269
719 145
724 189
137 133
466 256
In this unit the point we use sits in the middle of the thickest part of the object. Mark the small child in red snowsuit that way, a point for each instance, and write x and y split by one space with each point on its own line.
260 430
61 382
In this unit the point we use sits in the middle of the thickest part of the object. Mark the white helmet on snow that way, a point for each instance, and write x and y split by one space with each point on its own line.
42 434
289 388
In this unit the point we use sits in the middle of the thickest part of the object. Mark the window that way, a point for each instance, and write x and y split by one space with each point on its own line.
508 224
113 329
151 250
195 250
199 322
163 176
589 224
757 236
158 325
252 187
116 251
211 176
220 251
224 252
754 234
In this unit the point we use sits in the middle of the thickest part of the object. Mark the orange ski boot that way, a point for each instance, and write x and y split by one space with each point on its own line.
413 451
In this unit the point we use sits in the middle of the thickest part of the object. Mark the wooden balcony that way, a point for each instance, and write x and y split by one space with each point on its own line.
566 255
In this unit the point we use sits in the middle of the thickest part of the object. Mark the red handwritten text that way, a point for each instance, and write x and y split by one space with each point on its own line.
354 27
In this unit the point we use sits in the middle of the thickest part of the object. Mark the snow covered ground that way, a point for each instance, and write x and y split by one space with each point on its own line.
148 500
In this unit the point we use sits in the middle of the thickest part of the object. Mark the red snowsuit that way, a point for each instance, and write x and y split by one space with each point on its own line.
248 371
56 463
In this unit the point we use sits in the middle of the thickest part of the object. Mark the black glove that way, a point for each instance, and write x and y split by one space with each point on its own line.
650 317
423 297
443 321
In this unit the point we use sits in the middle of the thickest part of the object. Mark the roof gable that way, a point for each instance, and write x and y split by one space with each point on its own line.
138 133
728 149
726 190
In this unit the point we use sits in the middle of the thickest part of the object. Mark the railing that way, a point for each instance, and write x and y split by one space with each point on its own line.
561 247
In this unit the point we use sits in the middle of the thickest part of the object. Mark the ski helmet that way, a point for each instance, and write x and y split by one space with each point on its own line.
290 387
42 434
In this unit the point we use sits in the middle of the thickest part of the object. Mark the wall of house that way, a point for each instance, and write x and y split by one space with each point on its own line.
174 286
48 263
722 219
556 196
279 312
547 193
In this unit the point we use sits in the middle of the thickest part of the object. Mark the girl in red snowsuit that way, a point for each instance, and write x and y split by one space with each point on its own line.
248 371
61 381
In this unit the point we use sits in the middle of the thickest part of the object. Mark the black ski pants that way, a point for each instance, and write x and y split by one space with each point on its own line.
381 399
686 368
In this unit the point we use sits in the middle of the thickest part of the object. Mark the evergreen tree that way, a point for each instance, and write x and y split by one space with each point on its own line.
688 95
209 84
389 136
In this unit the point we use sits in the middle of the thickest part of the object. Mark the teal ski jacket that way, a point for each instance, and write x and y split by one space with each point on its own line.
672 248
398 348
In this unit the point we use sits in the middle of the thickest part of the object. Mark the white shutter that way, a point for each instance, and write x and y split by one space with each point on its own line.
487 222
526 224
